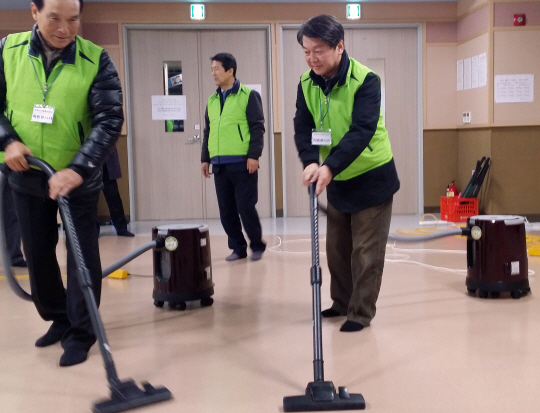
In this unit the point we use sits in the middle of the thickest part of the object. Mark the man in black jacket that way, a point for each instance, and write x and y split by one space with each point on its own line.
233 142
338 118
61 100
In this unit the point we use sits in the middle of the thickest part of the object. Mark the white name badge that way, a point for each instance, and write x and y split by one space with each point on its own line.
43 114
321 137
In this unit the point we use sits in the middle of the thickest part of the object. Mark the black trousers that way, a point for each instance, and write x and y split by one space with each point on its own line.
114 201
237 195
38 222
11 226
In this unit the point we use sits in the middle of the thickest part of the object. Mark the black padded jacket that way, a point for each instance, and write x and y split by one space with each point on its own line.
106 105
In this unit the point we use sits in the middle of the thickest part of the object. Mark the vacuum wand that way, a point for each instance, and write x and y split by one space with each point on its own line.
320 395
316 281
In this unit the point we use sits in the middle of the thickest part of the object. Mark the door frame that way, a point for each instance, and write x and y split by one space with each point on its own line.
129 118
419 104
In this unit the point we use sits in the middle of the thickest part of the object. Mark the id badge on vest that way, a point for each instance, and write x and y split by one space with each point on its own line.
321 137
43 113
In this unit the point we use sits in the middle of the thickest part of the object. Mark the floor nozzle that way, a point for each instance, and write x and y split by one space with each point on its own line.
127 395
321 396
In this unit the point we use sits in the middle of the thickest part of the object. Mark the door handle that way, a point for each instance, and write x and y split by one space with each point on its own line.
194 139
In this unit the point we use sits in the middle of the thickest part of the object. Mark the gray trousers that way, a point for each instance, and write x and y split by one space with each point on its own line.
355 249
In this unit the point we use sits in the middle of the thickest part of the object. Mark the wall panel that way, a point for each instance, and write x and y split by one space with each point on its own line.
440 165
440 95
525 59
514 185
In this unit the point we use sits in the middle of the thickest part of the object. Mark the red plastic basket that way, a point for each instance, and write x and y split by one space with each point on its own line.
454 209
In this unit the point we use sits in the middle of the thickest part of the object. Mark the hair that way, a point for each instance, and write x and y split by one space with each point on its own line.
39 4
324 27
227 60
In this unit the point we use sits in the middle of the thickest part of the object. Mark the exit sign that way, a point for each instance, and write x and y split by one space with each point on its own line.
353 11
197 12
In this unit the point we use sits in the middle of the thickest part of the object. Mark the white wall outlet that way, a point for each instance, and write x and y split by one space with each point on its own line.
466 117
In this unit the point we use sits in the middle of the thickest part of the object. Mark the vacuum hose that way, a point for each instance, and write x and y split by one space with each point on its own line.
157 243
395 237
6 259
458 231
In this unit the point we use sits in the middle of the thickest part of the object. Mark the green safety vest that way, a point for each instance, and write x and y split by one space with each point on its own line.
56 143
229 128
339 119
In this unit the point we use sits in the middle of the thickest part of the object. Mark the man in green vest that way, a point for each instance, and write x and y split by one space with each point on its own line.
233 142
61 101
338 119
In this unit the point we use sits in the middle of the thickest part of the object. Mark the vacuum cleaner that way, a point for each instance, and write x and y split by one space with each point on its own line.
496 254
320 394
182 274
125 395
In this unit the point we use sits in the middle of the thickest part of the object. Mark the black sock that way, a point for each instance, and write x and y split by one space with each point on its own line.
351 326
330 312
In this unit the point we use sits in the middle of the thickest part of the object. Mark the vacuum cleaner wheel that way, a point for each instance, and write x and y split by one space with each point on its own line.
180 306
515 294
207 301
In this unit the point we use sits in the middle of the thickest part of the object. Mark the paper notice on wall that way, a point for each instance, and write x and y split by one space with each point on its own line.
482 69
460 75
256 87
467 73
514 88
474 72
171 107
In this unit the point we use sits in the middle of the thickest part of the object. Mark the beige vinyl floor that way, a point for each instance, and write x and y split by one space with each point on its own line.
431 347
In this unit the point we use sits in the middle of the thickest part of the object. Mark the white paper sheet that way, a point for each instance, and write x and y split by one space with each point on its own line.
467 73
482 69
460 75
514 88
474 72
172 107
